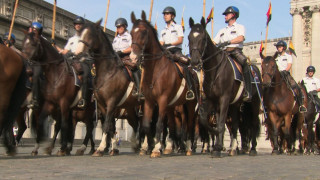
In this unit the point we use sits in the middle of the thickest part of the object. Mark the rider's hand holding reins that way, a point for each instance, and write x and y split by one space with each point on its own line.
222 45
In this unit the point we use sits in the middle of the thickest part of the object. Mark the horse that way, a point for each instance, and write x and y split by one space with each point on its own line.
222 93
12 90
58 94
161 83
281 107
112 87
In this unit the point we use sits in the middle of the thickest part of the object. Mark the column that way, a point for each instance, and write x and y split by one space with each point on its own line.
297 40
315 39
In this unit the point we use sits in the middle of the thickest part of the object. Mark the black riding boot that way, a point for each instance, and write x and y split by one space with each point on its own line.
84 87
300 99
247 82
35 87
190 93
136 77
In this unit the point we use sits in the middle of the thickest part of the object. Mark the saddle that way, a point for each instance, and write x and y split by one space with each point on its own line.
313 96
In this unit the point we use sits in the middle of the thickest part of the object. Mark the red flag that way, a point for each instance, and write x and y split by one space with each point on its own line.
269 13
261 47
291 48
210 16
182 24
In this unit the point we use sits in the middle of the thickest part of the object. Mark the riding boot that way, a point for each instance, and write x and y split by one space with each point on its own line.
34 104
247 82
190 93
300 98
136 78
84 87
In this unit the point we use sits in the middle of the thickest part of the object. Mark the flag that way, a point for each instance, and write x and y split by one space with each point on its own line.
269 13
210 16
261 47
155 26
291 48
182 24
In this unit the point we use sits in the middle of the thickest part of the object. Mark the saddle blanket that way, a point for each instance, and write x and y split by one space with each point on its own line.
77 81
238 75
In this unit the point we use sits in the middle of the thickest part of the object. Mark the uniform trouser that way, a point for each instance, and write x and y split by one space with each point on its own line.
293 84
136 77
36 82
242 59
85 75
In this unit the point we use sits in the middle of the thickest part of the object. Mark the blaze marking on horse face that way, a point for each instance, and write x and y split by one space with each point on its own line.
195 34
80 46
136 29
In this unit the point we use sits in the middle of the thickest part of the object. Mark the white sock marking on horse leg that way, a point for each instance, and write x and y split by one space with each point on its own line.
114 143
234 144
169 143
144 146
103 143
189 144
205 146
157 147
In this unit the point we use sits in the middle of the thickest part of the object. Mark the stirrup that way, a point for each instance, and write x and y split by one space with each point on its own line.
189 95
302 108
82 103
247 97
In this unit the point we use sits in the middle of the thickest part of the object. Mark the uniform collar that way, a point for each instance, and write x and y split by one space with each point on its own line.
123 35
234 24
171 25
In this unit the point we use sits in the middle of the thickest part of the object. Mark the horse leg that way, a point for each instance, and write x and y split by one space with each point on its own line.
235 115
299 118
57 127
133 121
146 123
172 122
275 126
190 126
21 125
65 128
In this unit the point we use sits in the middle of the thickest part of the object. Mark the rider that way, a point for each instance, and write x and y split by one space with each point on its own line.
36 28
172 38
69 49
231 39
11 42
312 85
122 46
284 63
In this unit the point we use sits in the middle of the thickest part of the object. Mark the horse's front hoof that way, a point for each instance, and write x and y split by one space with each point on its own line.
61 153
34 153
189 153
98 153
275 152
47 151
243 151
233 152
167 151
296 152
155 155
11 152
216 154
114 152
142 152
80 152
91 151
204 151
253 152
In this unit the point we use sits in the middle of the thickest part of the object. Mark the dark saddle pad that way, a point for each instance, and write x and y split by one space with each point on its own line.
237 70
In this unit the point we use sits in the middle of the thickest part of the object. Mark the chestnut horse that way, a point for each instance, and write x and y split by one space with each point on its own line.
112 88
281 107
161 83
12 89
222 91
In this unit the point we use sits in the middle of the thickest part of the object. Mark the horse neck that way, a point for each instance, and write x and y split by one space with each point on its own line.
51 55
153 50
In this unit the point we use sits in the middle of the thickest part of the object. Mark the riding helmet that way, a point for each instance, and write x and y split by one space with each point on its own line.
37 26
281 43
120 22
6 35
169 9
232 9
311 69
78 20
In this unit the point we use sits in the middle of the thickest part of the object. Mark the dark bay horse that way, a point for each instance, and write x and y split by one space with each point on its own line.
59 92
12 89
161 85
223 95
112 88
282 109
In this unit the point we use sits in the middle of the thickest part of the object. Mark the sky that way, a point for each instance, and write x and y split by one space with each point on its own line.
252 14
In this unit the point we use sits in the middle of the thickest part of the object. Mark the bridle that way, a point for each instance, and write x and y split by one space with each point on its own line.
271 75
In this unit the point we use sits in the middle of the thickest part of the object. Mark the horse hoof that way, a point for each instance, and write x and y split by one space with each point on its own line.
91 151
47 151
114 152
80 152
98 153
233 152
216 154
34 153
296 152
243 151
275 152
61 153
155 154
142 152
253 153
181 151
167 151
189 153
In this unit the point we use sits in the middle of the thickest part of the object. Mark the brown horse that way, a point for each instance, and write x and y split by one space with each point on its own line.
59 92
161 84
12 89
281 107
112 88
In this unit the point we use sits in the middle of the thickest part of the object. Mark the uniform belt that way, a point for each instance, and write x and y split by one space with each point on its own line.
229 49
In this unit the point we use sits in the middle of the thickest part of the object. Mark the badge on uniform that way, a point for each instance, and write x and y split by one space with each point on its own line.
232 32
221 34
125 40
284 59
173 31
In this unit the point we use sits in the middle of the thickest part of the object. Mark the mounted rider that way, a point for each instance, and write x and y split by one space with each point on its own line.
312 85
11 42
122 46
284 63
231 39
69 50
171 38
37 29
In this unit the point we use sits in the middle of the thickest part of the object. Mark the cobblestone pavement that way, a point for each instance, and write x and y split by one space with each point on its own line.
129 165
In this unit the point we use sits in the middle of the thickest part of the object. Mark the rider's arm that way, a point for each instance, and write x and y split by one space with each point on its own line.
178 42
288 67
241 31
126 51
289 61
237 40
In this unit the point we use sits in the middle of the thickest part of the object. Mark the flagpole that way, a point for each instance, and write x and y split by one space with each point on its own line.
106 18
212 20
54 19
265 47
204 9
150 13
155 23
12 20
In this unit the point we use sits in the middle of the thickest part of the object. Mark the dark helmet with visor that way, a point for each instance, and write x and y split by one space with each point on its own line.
232 9
169 9
120 22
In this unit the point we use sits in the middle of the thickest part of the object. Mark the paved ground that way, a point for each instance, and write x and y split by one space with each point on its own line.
132 166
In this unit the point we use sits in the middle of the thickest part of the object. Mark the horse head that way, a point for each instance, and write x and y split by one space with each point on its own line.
31 46
144 39
197 42
269 68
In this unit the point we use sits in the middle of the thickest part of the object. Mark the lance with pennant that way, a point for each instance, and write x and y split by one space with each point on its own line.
269 14
12 20
54 19
150 13
106 18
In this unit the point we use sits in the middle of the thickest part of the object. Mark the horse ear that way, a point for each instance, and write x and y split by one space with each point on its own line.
191 22
203 23
133 17
143 16
275 55
98 22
